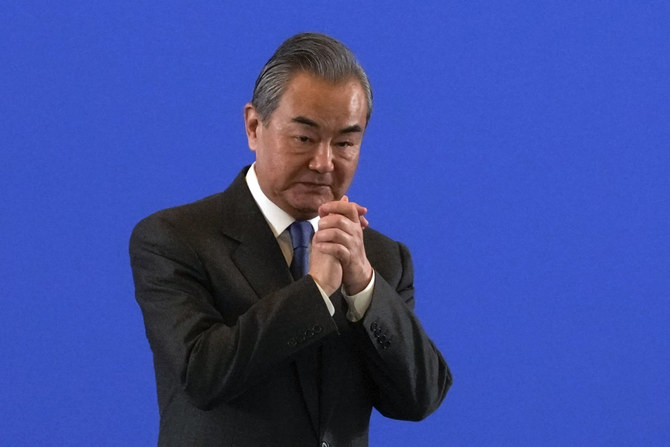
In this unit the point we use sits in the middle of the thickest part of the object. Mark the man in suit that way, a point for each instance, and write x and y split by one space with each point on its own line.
262 333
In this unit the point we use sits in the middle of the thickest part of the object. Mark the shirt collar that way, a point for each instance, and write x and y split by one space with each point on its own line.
278 219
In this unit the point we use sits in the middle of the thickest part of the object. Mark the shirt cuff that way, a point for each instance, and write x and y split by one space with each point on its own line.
360 302
326 299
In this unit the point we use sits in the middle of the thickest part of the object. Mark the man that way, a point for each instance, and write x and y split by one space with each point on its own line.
253 344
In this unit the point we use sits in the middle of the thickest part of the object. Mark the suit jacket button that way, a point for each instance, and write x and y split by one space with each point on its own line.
292 342
373 326
317 329
381 339
309 333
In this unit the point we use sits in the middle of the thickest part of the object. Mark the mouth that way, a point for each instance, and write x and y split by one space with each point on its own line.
314 184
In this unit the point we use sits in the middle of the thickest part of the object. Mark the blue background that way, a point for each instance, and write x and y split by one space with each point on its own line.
521 149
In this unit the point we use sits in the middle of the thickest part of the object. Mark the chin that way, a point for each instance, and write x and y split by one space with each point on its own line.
308 207
305 213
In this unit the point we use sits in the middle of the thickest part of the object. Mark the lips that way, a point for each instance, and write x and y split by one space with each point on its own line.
315 184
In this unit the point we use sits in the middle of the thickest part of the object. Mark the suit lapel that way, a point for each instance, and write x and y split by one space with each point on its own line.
258 256
260 260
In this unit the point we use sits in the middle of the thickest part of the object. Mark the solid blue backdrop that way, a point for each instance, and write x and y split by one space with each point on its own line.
521 150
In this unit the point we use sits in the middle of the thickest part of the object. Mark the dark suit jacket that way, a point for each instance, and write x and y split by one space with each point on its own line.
245 356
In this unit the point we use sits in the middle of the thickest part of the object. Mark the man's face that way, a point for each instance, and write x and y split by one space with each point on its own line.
307 152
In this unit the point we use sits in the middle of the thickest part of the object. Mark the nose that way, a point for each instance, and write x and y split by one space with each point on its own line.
322 159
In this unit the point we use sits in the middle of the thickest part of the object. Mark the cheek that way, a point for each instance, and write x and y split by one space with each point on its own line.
346 168
286 172
344 176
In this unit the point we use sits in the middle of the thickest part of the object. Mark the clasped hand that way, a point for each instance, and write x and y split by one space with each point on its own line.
338 255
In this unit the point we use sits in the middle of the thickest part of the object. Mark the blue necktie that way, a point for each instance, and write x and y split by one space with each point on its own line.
301 235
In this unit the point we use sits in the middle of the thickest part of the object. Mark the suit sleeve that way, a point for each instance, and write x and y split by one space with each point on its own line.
409 374
212 359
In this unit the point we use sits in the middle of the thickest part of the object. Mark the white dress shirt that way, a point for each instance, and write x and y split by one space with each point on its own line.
279 221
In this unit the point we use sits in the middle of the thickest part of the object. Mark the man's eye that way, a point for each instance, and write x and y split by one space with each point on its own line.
344 143
302 139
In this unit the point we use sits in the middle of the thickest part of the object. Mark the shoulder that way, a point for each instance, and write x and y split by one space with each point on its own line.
202 216
200 213
177 227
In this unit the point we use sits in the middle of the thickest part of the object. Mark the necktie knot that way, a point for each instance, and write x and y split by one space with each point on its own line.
301 235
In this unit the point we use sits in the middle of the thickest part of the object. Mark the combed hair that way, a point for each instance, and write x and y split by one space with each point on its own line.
314 53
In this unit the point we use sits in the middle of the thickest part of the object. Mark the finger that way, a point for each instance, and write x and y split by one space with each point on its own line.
340 223
350 210
361 209
338 251
334 235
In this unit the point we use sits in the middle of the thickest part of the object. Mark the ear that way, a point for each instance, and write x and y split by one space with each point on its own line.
252 124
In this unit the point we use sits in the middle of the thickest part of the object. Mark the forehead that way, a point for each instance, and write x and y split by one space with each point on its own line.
320 99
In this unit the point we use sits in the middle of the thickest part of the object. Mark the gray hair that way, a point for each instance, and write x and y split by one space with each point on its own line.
314 53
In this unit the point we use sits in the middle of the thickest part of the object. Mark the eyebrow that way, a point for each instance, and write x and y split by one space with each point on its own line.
308 122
